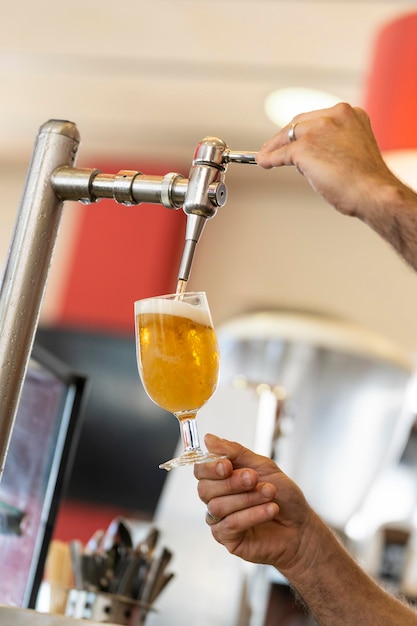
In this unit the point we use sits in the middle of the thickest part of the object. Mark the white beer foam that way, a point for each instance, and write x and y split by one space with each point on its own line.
173 307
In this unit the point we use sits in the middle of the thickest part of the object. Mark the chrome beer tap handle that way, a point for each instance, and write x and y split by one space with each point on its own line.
239 157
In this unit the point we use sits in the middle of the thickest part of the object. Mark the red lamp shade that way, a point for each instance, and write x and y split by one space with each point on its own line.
391 99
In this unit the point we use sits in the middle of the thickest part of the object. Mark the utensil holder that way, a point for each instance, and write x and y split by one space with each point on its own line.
106 608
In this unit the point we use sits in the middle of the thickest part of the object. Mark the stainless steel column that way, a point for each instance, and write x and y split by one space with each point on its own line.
28 263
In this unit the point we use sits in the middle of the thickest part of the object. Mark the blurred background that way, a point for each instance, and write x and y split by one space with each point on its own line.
145 81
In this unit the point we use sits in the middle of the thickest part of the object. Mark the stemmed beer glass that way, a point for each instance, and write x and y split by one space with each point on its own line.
178 362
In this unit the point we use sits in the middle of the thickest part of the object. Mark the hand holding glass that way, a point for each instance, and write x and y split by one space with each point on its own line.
178 362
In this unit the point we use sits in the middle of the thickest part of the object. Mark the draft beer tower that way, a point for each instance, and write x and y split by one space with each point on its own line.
51 180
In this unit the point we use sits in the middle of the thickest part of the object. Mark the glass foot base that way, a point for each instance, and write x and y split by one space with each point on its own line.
191 457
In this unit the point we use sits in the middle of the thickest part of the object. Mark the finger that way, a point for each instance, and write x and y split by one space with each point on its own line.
240 481
232 526
213 470
300 125
280 150
238 455
220 507
297 126
212 519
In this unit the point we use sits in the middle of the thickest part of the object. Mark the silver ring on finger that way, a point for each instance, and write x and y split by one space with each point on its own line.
291 133
212 519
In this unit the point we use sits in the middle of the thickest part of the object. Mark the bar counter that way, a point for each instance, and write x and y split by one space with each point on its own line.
24 617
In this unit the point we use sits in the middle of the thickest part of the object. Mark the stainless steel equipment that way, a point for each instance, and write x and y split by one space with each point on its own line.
51 180
347 411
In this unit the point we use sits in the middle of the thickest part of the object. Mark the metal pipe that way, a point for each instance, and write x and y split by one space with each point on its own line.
24 280
127 187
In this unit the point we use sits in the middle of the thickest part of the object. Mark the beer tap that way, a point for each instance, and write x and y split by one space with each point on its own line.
51 180
206 192
200 195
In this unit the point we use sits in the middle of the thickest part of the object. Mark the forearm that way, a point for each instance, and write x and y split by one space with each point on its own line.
391 211
338 592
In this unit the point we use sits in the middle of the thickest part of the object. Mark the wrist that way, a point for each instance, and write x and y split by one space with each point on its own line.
382 200
315 550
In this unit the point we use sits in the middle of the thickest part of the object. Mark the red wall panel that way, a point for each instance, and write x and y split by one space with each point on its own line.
120 254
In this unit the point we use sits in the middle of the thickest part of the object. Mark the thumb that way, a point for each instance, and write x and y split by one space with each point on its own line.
238 454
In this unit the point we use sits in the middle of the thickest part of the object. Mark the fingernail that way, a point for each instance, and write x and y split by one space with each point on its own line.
246 479
220 469
272 509
267 491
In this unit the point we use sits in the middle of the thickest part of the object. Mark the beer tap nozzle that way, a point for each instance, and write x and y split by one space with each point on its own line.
195 226
205 193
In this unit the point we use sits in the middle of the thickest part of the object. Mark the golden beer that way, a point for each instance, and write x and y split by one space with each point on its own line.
178 356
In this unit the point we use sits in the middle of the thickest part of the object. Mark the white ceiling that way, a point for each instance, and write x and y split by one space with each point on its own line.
152 77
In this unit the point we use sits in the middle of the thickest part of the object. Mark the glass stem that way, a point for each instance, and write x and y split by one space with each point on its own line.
189 432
